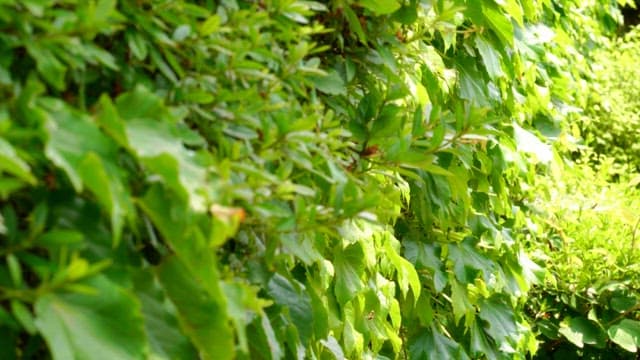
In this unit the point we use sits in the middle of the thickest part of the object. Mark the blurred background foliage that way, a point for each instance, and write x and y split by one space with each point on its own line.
588 305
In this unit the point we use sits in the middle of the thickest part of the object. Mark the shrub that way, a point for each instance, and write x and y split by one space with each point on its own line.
611 122
272 179
588 305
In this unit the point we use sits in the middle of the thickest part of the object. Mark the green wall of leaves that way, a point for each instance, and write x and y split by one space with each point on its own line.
276 178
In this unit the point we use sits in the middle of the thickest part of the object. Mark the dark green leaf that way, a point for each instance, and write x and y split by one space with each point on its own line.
432 344
292 297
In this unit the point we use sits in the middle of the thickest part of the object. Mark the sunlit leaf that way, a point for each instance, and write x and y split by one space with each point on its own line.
626 333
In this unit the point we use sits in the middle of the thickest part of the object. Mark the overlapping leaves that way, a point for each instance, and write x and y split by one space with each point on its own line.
274 179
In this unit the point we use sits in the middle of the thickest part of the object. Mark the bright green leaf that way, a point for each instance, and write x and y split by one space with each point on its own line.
381 7
105 325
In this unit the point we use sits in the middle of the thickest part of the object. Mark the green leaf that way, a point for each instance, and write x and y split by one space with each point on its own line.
173 163
162 66
110 122
181 32
24 316
499 22
104 325
140 103
405 272
529 143
90 159
389 122
101 180
381 7
292 297
490 57
468 262
513 8
424 309
11 163
582 331
242 304
500 322
332 345
623 303
265 343
48 65
432 344
170 216
58 238
71 136
426 256
480 344
472 86
201 312
354 24
626 334
3 227
460 301
331 84
210 25
353 340
137 44
406 15
349 267
165 337
302 246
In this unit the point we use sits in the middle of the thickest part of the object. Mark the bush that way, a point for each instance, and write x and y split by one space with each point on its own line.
589 304
611 122
273 179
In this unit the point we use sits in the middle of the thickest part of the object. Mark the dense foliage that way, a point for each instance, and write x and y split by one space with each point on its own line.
277 179
589 305
610 123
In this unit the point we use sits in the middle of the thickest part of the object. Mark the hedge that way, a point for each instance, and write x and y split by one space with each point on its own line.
276 178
